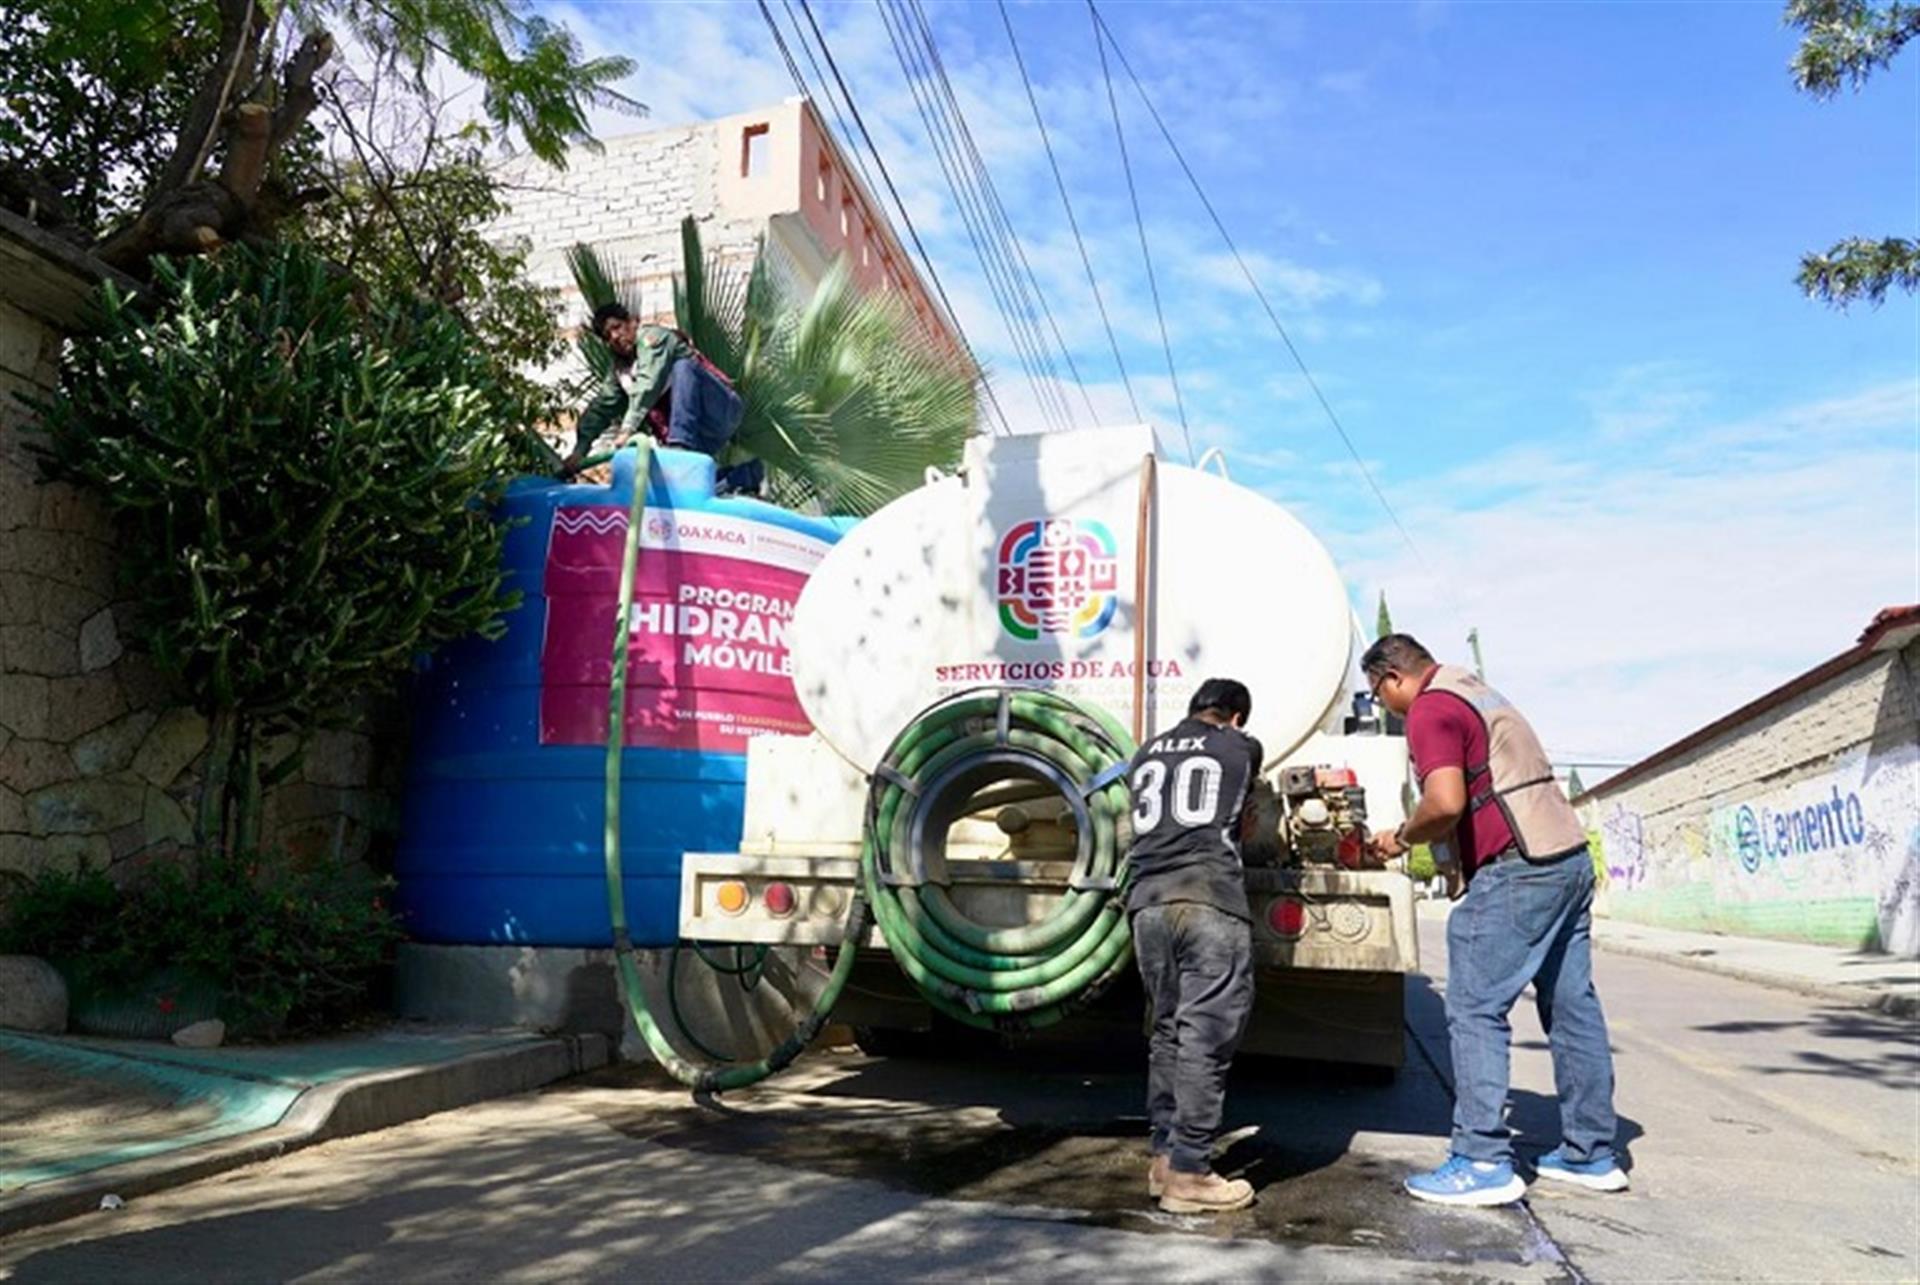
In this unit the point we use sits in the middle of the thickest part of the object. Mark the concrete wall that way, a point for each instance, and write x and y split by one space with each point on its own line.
1802 823
772 172
97 763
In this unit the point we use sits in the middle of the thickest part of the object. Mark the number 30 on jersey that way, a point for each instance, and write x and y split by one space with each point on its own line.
1195 795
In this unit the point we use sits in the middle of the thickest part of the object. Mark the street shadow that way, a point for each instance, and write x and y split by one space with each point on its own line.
1533 1117
1891 1058
521 1207
1061 1126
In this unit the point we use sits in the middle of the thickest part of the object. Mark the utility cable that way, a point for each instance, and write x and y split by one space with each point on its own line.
1272 315
1086 261
906 218
1004 428
1029 281
1133 192
973 220
997 267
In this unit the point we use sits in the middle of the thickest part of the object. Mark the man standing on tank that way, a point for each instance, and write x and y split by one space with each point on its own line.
1503 831
1192 936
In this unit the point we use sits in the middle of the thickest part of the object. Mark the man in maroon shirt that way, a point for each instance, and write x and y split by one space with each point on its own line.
1517 862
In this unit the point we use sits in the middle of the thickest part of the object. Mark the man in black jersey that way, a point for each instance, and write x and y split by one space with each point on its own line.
1192 935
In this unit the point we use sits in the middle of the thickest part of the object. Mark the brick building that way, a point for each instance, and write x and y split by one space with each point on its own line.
774 174
1795 816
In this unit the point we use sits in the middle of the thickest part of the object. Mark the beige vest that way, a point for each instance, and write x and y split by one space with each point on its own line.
1517 777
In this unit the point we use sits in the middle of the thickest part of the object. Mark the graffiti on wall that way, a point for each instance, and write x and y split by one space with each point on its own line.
1852 831
1623 839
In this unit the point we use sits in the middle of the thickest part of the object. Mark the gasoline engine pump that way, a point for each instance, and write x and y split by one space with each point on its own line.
1310 816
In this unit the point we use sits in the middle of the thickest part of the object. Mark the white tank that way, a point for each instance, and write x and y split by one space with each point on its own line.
1021 572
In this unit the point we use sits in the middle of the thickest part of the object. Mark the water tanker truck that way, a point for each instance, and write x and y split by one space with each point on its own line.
977 661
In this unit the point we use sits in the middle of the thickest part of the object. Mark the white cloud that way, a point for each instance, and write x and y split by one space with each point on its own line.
1627 597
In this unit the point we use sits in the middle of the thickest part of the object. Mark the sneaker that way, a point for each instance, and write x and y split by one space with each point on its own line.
1461 1181
1204 1193
1157 1176
1594 1175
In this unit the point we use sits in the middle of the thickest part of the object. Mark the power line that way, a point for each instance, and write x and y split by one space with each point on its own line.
1060 182
995 264
1010 290
832 103
1009 236
1134 193
1259 294
906 219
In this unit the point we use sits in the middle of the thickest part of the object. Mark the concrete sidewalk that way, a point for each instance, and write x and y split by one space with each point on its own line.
81 1119
1857 979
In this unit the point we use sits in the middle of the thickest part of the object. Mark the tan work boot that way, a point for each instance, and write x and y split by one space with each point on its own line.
1157 1175
1204 1193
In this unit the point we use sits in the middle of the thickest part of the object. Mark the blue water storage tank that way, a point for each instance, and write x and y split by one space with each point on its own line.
501 836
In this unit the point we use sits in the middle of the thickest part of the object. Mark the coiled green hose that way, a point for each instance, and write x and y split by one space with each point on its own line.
1011 978
995 978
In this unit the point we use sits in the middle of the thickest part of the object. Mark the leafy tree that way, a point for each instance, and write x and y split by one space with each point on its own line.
409 213
1382 621
183 85
300 464
1845 43
90 97
848 400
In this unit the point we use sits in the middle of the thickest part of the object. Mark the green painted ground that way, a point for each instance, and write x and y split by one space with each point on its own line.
72 1105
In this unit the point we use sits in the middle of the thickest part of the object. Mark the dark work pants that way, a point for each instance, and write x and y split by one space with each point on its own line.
1197 963
702 412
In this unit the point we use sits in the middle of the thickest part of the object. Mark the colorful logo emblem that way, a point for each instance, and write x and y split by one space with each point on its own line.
1057 576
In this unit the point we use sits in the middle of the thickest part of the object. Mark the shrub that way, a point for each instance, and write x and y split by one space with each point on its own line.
1420 863
286 950
300 469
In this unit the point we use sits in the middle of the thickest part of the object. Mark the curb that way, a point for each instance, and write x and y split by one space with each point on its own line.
1877 1001
359 1104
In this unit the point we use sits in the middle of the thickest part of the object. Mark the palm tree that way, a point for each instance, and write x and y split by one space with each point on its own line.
848 401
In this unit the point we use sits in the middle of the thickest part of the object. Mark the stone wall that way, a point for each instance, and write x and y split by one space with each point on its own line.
97 763
1802 822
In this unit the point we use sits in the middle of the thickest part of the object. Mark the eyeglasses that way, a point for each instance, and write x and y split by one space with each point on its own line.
1375 686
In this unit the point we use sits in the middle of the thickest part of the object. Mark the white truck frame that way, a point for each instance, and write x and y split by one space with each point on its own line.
1332 945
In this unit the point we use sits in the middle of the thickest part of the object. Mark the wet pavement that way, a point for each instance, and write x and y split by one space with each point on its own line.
1326 1147
1770 1137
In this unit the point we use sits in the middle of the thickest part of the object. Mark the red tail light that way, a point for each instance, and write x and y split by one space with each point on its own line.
1287 916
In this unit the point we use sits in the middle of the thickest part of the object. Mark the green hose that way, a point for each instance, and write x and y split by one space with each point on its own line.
1015 978
994 978
700 1079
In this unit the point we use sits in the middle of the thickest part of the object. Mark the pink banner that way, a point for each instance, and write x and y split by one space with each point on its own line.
707 664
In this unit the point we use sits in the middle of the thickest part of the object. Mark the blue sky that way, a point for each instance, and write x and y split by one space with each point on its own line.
1540 258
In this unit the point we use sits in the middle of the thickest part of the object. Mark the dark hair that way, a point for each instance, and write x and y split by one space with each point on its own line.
1398 652
1224 696
603 314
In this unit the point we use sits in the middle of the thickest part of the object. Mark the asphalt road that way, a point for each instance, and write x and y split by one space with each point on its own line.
1771 1138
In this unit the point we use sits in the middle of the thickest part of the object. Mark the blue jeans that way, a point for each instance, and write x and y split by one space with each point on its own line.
1520 923
702 412
1197 963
